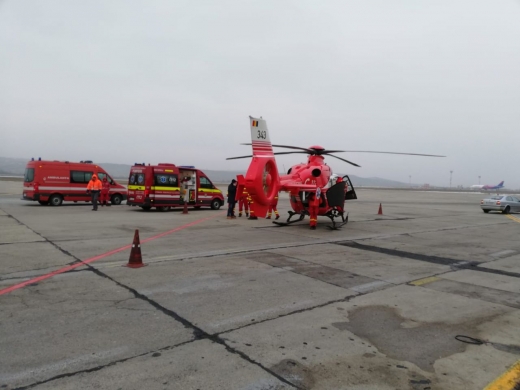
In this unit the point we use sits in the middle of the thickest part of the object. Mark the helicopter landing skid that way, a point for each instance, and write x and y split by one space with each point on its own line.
289 222
336 226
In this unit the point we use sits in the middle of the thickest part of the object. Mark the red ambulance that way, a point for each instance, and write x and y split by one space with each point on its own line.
52 182
164 186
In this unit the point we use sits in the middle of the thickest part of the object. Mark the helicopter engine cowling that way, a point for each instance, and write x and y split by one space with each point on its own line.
262 182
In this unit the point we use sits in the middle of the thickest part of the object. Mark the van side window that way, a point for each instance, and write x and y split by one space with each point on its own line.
164 180
205 183
80 177
102 175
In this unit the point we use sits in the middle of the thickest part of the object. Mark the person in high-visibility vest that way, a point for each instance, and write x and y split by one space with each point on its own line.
243 203
252 214
94 187
105 189
314 205
272 207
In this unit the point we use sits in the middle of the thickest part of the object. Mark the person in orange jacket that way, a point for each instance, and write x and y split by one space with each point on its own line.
314 205
272 207
243 203
105 189
94 187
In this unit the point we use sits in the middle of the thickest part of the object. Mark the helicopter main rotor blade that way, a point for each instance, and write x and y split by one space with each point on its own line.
309 151
236 158
302 152
342 159
407 154
326 151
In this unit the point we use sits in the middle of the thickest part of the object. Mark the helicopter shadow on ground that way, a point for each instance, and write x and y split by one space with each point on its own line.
174 210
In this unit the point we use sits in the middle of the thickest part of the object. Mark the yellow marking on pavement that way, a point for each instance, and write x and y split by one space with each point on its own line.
508 380
513 218
424 281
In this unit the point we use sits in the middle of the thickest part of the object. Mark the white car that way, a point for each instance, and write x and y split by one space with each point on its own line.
504 203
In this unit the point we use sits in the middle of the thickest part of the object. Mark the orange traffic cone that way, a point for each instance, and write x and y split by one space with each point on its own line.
135 260
380 212
185 210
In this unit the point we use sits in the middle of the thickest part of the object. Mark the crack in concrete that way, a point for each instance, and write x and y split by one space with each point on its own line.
39 269
198 333
67 253
346 299
100 367
454 263
21 242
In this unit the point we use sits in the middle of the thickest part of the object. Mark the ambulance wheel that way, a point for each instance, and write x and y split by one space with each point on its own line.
163 208
146 208
43 202
215 204
55 200
116 200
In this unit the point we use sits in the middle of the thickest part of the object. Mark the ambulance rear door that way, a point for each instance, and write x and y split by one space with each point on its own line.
136 186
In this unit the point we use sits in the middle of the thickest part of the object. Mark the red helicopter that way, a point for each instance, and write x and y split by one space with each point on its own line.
304 182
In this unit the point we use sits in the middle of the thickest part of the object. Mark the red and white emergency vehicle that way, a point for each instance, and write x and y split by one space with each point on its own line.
164 186
52 182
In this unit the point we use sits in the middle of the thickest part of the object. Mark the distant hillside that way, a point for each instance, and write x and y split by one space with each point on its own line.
16 166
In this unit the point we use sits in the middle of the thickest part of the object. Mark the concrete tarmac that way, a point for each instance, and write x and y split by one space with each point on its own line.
239 304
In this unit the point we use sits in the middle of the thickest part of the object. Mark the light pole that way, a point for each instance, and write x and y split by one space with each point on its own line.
479 180
451 173
410 176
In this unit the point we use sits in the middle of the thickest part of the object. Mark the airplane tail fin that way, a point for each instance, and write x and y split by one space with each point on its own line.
262 180
501 184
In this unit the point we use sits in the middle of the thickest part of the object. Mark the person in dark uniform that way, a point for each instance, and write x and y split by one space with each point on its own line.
231 199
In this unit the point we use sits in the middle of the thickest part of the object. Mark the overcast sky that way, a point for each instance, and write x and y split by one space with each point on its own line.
175 81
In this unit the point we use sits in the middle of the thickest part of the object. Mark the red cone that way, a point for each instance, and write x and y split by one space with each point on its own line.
135 260
380 212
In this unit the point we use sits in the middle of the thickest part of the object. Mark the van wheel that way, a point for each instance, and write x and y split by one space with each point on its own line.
215 204
146 208
163 208
43 202
116 200
55 200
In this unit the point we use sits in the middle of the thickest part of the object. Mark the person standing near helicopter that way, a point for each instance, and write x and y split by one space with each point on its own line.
314 205
272 207
243 202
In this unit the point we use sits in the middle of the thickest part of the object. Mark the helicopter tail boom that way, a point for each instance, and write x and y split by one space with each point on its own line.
262 180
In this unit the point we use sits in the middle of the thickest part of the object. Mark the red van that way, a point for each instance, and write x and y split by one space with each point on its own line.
52 182
164 186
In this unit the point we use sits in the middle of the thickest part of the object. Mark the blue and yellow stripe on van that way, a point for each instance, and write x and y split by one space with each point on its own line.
136 188
159 188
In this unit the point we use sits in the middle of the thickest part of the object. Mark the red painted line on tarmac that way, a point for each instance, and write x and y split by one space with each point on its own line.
96 258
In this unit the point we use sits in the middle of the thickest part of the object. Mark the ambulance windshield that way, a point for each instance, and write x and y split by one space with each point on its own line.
29 175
